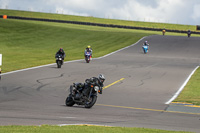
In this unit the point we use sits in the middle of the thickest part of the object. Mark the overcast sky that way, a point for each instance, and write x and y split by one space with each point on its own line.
167 11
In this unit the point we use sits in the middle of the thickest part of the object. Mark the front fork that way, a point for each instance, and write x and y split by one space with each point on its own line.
90 95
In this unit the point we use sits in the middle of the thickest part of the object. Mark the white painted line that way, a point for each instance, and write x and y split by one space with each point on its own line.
69 61
82 124
182 87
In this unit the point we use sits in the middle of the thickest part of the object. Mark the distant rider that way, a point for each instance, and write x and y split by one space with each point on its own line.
145 43
88 49
163 31
61 52
189 33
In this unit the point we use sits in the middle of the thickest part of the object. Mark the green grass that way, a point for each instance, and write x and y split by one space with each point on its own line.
97 20
191 92
78 129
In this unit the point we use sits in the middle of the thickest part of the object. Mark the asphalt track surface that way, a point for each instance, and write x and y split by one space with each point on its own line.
37 96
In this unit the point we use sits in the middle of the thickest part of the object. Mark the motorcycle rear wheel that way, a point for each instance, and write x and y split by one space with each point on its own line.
69 101
92 101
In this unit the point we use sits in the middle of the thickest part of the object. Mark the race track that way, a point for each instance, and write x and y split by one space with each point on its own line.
37 96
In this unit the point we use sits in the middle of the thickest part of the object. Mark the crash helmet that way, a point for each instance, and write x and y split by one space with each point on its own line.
101 78
88 46
61 49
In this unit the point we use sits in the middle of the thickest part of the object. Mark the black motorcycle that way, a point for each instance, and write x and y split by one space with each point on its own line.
59 60
189 33
83 94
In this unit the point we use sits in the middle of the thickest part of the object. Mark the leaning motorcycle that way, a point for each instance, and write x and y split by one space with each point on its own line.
83 94
145 48
59 60
87 57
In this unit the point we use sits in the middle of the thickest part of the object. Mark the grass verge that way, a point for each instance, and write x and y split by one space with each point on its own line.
191 92
96 20
77 129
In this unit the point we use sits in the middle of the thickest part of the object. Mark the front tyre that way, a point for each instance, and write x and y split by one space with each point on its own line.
144 51
69 101
87 60
91 101
59 63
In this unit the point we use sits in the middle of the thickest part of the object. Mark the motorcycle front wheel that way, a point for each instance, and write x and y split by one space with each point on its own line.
59 63
91 102
87 60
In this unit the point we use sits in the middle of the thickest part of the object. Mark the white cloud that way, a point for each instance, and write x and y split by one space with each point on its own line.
4 4
196 12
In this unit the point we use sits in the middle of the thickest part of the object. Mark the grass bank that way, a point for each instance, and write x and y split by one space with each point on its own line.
97 20
191 92
77 129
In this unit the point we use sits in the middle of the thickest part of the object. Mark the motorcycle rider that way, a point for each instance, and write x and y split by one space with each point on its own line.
88 49
61 52
189 33
145 43
163 31
98 81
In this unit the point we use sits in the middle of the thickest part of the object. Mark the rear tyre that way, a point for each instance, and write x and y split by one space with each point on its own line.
69 101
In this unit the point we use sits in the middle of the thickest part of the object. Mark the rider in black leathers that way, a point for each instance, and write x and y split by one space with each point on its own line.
61 52
189 33
97 81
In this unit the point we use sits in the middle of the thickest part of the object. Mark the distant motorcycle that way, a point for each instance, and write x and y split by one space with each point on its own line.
189 34
83 94
87 56
163 31
59 60
145 48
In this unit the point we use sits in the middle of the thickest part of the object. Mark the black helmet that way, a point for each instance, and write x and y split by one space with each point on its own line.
61 49
101 78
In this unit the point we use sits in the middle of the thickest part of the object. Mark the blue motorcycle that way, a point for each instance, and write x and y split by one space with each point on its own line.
145 48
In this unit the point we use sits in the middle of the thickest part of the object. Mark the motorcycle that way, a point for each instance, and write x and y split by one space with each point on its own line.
189 34
87 56
83 94
163 31
145 48
59 60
